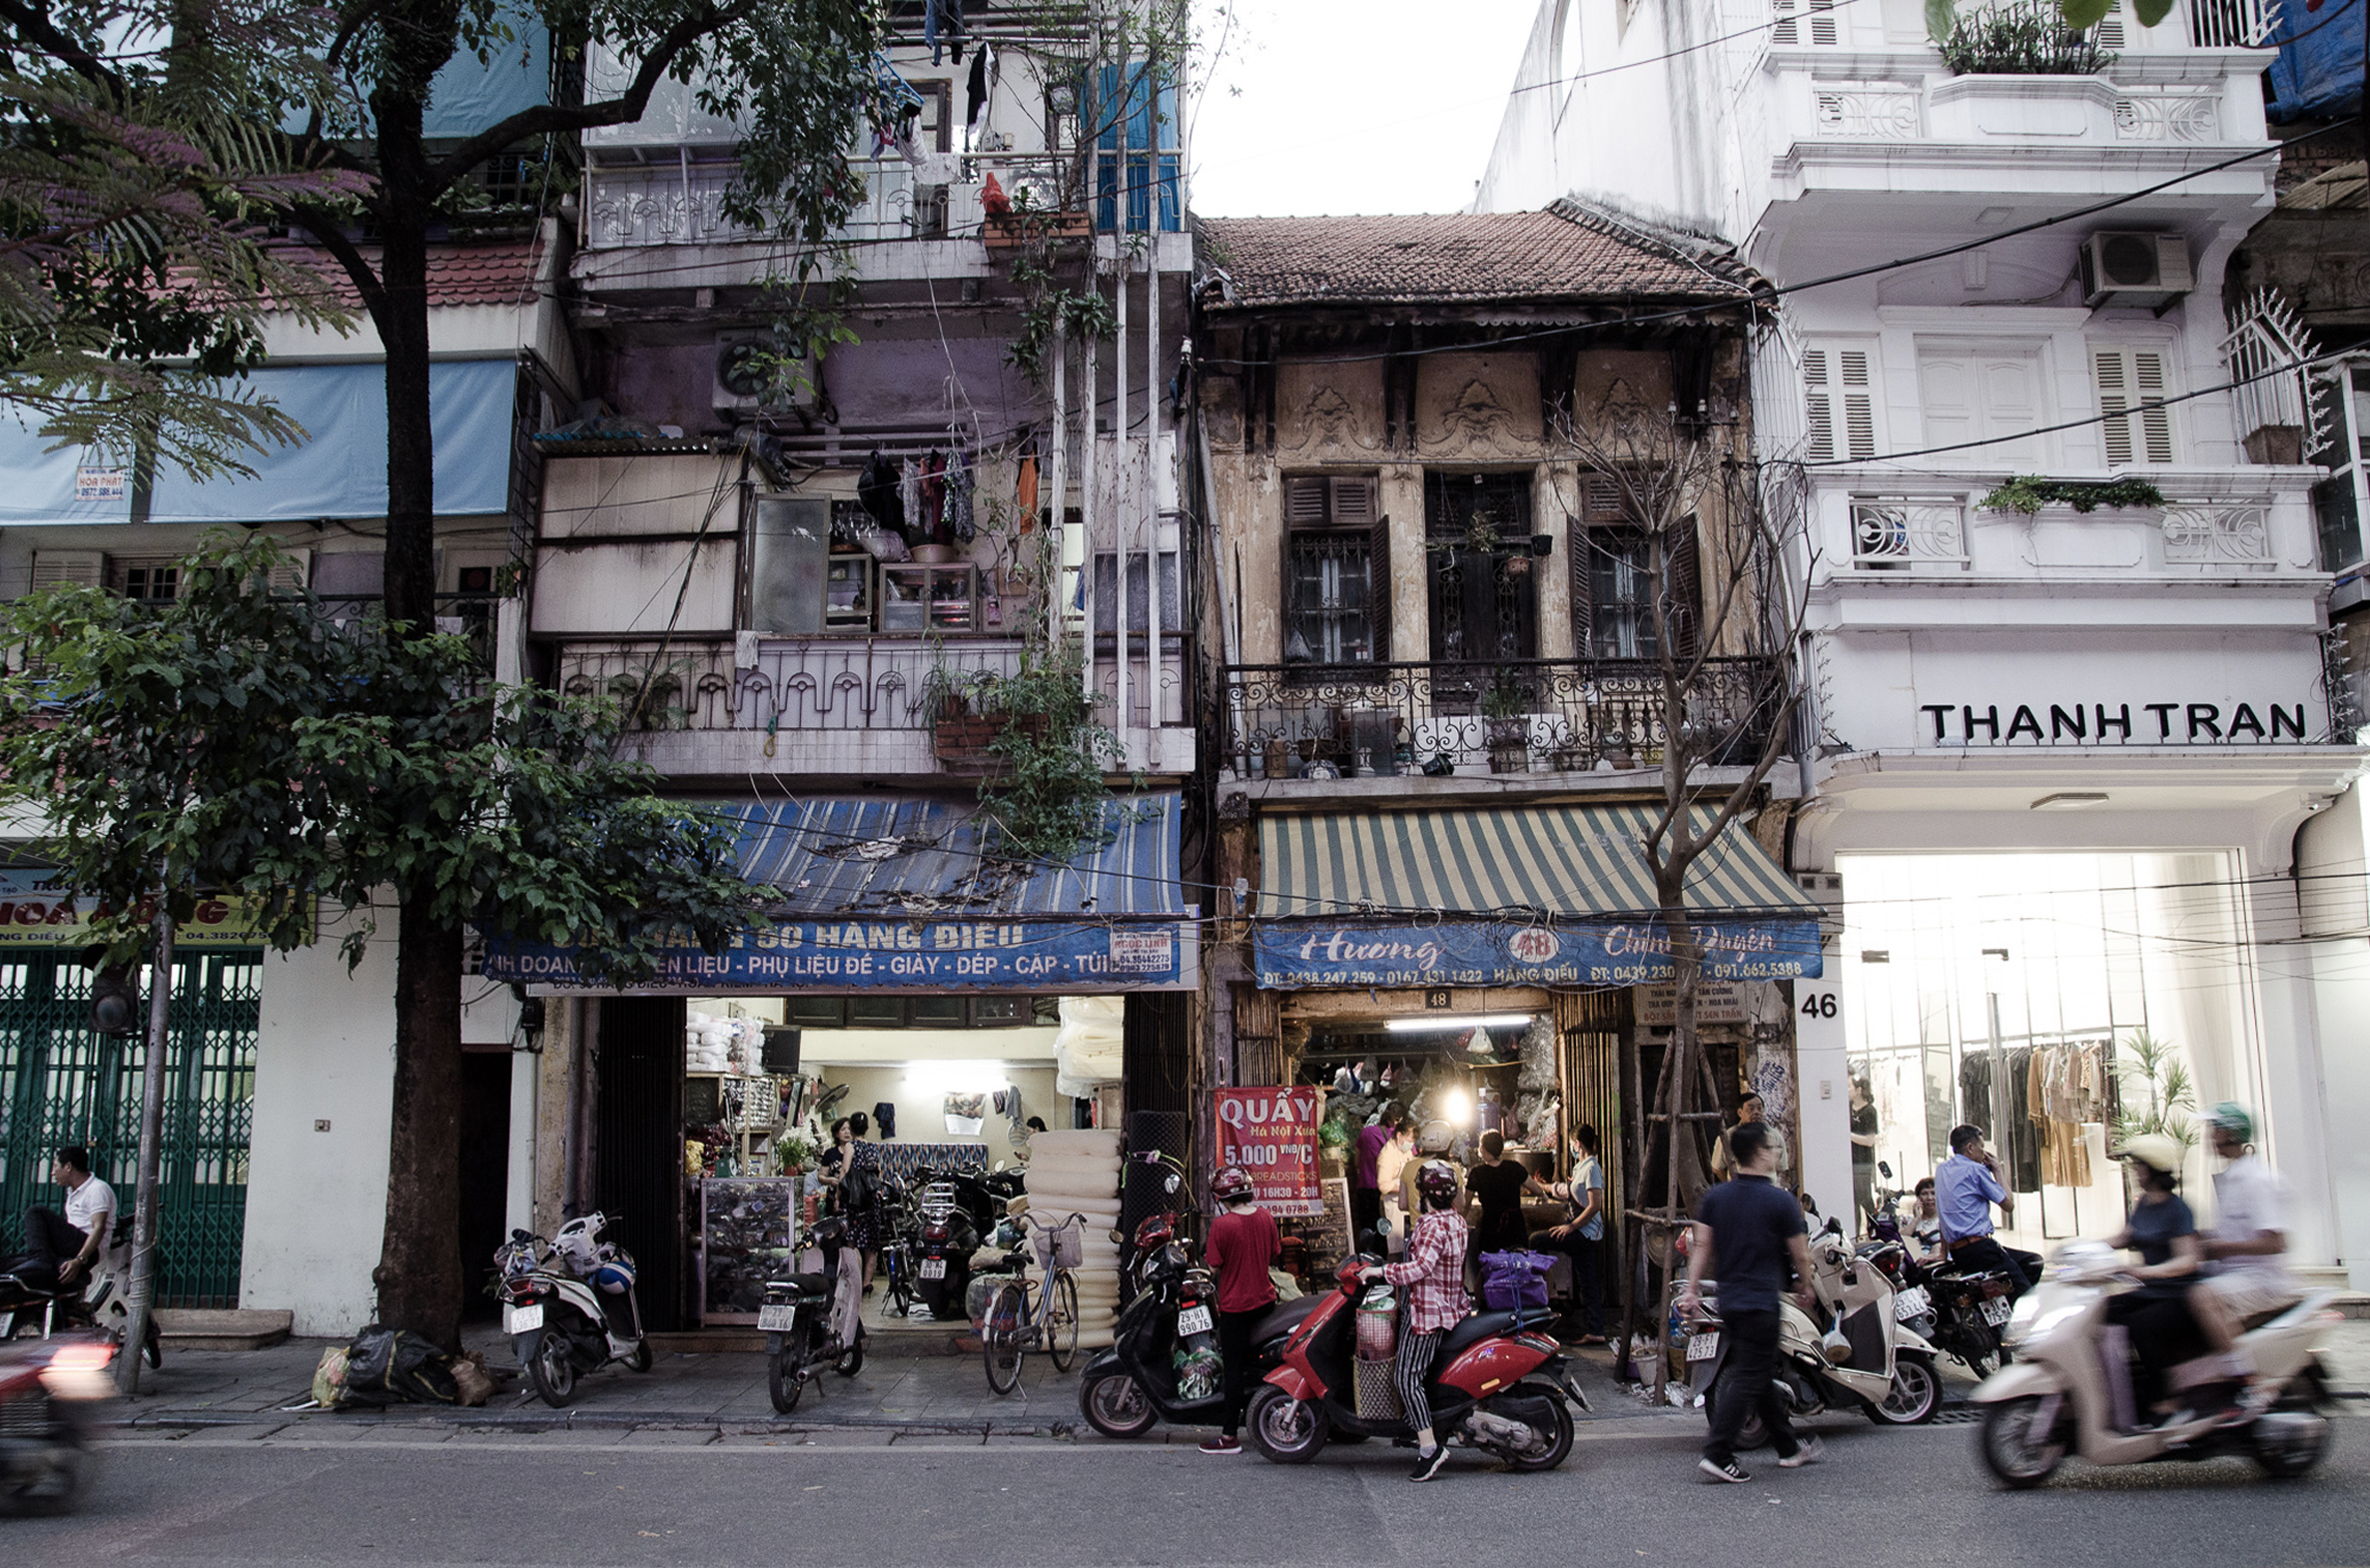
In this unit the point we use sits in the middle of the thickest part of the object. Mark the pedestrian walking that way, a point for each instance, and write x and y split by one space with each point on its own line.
1244 1244
1431 1282
1749 1235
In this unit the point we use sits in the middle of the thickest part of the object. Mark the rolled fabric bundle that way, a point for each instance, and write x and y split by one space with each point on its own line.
1076 1140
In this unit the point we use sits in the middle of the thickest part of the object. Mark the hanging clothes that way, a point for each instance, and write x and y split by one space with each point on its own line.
884 1120
958 500
889 103
933 496
979 92
942 25
2008 1130
909 496
876 490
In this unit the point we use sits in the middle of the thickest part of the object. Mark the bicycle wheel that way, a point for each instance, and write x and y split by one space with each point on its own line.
1061 1320
1001 1337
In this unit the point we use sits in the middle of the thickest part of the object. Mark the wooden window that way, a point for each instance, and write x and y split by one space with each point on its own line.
1991 396
85 568
1336 571
1484 601
2131 389
1839 404
1799 22
155 579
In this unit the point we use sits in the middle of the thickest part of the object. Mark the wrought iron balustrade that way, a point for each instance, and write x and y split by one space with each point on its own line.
1509 716
786 684
1906 532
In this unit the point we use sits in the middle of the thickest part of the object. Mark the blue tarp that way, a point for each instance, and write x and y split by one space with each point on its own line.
471 95
342 470
2319 69
40 486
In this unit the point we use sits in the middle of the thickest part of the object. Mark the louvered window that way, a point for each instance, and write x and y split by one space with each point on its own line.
1336 571
2111 33
1805 21
2131 388
1839 404
85 568
155 579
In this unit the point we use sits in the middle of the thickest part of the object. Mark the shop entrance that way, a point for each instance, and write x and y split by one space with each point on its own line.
485 1174
638 1167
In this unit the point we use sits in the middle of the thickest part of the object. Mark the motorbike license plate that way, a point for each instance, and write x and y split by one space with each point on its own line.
1703 1348
1997 1309
1193 1320
523 1319
776 1320
934 1269
1912 1303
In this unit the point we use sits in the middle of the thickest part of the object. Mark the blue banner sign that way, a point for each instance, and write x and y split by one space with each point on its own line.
1301 955
835 954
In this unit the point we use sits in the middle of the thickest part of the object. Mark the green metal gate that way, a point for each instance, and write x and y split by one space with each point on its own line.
63 1083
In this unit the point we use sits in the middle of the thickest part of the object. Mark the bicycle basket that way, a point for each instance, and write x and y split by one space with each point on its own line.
1060 1246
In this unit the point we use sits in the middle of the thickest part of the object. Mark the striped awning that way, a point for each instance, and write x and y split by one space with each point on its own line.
1527 863
919 857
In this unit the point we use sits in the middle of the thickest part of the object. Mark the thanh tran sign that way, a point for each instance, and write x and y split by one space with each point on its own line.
1271 1133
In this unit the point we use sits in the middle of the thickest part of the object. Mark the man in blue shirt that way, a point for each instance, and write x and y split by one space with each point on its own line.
1965 1186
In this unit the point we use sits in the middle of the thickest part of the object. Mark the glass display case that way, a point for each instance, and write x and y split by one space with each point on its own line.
918 596
747 1230
848 592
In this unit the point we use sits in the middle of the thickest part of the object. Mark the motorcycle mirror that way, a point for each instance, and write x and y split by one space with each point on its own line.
1885 1168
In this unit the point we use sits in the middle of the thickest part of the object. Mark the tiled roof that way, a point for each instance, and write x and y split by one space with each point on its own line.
500 272
1566 252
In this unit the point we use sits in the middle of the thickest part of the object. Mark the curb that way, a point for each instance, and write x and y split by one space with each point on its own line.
579 1420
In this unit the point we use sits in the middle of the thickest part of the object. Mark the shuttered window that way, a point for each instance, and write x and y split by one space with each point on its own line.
86 568
1839 404
1337 564
2131 388
1806 22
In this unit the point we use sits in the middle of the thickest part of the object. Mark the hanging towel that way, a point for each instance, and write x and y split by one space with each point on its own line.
933 496
909 496
1025 492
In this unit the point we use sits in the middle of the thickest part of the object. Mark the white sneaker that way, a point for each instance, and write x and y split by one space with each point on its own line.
1810 1452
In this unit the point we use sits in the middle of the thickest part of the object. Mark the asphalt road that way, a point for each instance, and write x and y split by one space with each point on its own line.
1629 1494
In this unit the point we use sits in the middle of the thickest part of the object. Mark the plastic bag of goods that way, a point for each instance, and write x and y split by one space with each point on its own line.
1379 1324
1090 1047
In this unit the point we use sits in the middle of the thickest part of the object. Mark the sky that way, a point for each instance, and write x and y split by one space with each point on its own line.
1317 106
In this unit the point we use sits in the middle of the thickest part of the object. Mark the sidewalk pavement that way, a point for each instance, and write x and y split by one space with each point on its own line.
932 1396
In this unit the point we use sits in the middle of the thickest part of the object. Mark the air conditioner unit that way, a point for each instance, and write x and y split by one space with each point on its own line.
2135 269
746 370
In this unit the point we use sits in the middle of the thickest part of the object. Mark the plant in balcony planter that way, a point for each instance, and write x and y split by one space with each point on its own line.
1045 798
2035 38
1504 709
2029 493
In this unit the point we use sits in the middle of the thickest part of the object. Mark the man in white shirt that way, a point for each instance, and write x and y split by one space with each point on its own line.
2250 1223
80 1234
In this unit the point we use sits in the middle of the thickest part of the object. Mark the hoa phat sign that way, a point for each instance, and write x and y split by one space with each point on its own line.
1290 956
1271 1133
2120 723
33 913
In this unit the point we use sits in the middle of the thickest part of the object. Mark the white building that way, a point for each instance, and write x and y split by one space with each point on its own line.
2057 763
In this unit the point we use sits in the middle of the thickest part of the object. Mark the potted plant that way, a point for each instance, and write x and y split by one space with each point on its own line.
1503 709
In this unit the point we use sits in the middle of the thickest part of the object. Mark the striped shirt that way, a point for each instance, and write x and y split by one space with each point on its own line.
1433 1273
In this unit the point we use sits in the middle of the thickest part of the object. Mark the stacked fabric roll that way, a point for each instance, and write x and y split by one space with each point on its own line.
1079 1172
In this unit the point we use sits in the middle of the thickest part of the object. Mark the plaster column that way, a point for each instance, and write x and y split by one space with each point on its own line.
555 1072
2296 1093
1555 506
1401 500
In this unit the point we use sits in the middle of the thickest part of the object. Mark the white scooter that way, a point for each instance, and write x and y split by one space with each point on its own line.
1858 1352
2069 1390
568 1307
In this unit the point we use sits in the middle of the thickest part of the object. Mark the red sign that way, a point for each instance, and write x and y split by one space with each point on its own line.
1271 1132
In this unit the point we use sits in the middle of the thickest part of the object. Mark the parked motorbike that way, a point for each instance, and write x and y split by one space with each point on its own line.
949 1235
1127 1389
1857 1353
811 1321
34 1306
45 1448
568 1305
1495 1386
2071 1391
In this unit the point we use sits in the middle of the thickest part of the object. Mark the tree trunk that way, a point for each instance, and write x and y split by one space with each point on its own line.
418 1274
141 1291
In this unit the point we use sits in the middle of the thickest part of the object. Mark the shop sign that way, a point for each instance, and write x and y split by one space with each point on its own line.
35 913
900 954
1271 1133
1715 1002
2156 724
1476 953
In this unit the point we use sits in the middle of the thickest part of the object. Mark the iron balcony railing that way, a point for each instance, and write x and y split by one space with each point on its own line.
1508 716
773 685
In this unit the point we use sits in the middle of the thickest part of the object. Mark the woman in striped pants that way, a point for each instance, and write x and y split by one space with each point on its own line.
1431 1282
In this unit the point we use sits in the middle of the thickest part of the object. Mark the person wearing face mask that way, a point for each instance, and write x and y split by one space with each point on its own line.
1579 1236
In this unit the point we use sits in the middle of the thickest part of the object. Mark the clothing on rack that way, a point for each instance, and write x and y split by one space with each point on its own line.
889 104
979 93
2021 1149
960 528
942 27
876 489
1025 492
933 496
2068 1090
909 496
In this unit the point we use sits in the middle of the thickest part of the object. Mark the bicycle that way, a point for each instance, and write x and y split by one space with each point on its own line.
1013 1325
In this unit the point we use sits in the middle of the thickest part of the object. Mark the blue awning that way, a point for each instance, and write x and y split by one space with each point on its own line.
894 893
339 470
74 484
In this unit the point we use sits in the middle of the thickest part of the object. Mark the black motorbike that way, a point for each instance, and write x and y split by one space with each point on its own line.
1958 1311
813 1322
1127 1389
942 1257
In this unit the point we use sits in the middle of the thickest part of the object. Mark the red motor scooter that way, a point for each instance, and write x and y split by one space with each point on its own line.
1497 1386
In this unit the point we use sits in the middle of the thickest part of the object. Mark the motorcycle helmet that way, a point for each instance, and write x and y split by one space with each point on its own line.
1155 1231
614 1274
2158 1150
1230 1185
2234 1119
1437 1183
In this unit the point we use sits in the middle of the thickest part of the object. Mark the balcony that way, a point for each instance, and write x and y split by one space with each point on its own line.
680 200
1524 716
854 707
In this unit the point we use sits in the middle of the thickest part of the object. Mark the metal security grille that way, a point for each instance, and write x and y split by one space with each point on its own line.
62 1083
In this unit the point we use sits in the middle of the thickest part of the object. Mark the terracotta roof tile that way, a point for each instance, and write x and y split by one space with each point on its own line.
500 272
1567 253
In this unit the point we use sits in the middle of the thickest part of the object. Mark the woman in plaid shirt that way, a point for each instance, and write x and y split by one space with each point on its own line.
1431 1280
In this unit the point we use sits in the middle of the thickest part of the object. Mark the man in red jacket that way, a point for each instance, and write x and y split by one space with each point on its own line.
1244 1244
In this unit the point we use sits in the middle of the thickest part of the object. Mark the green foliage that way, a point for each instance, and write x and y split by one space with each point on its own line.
2029 493
794 1153
2028 38
2157 1089
239 742
1047 802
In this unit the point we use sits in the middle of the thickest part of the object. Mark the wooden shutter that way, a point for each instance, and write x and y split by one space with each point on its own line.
1378 577
1600 505
2110 27
2132 379
1839 395
1305 502
1823 22
1788 27
291 575
1818 398
1859 409
1682 584
83 568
